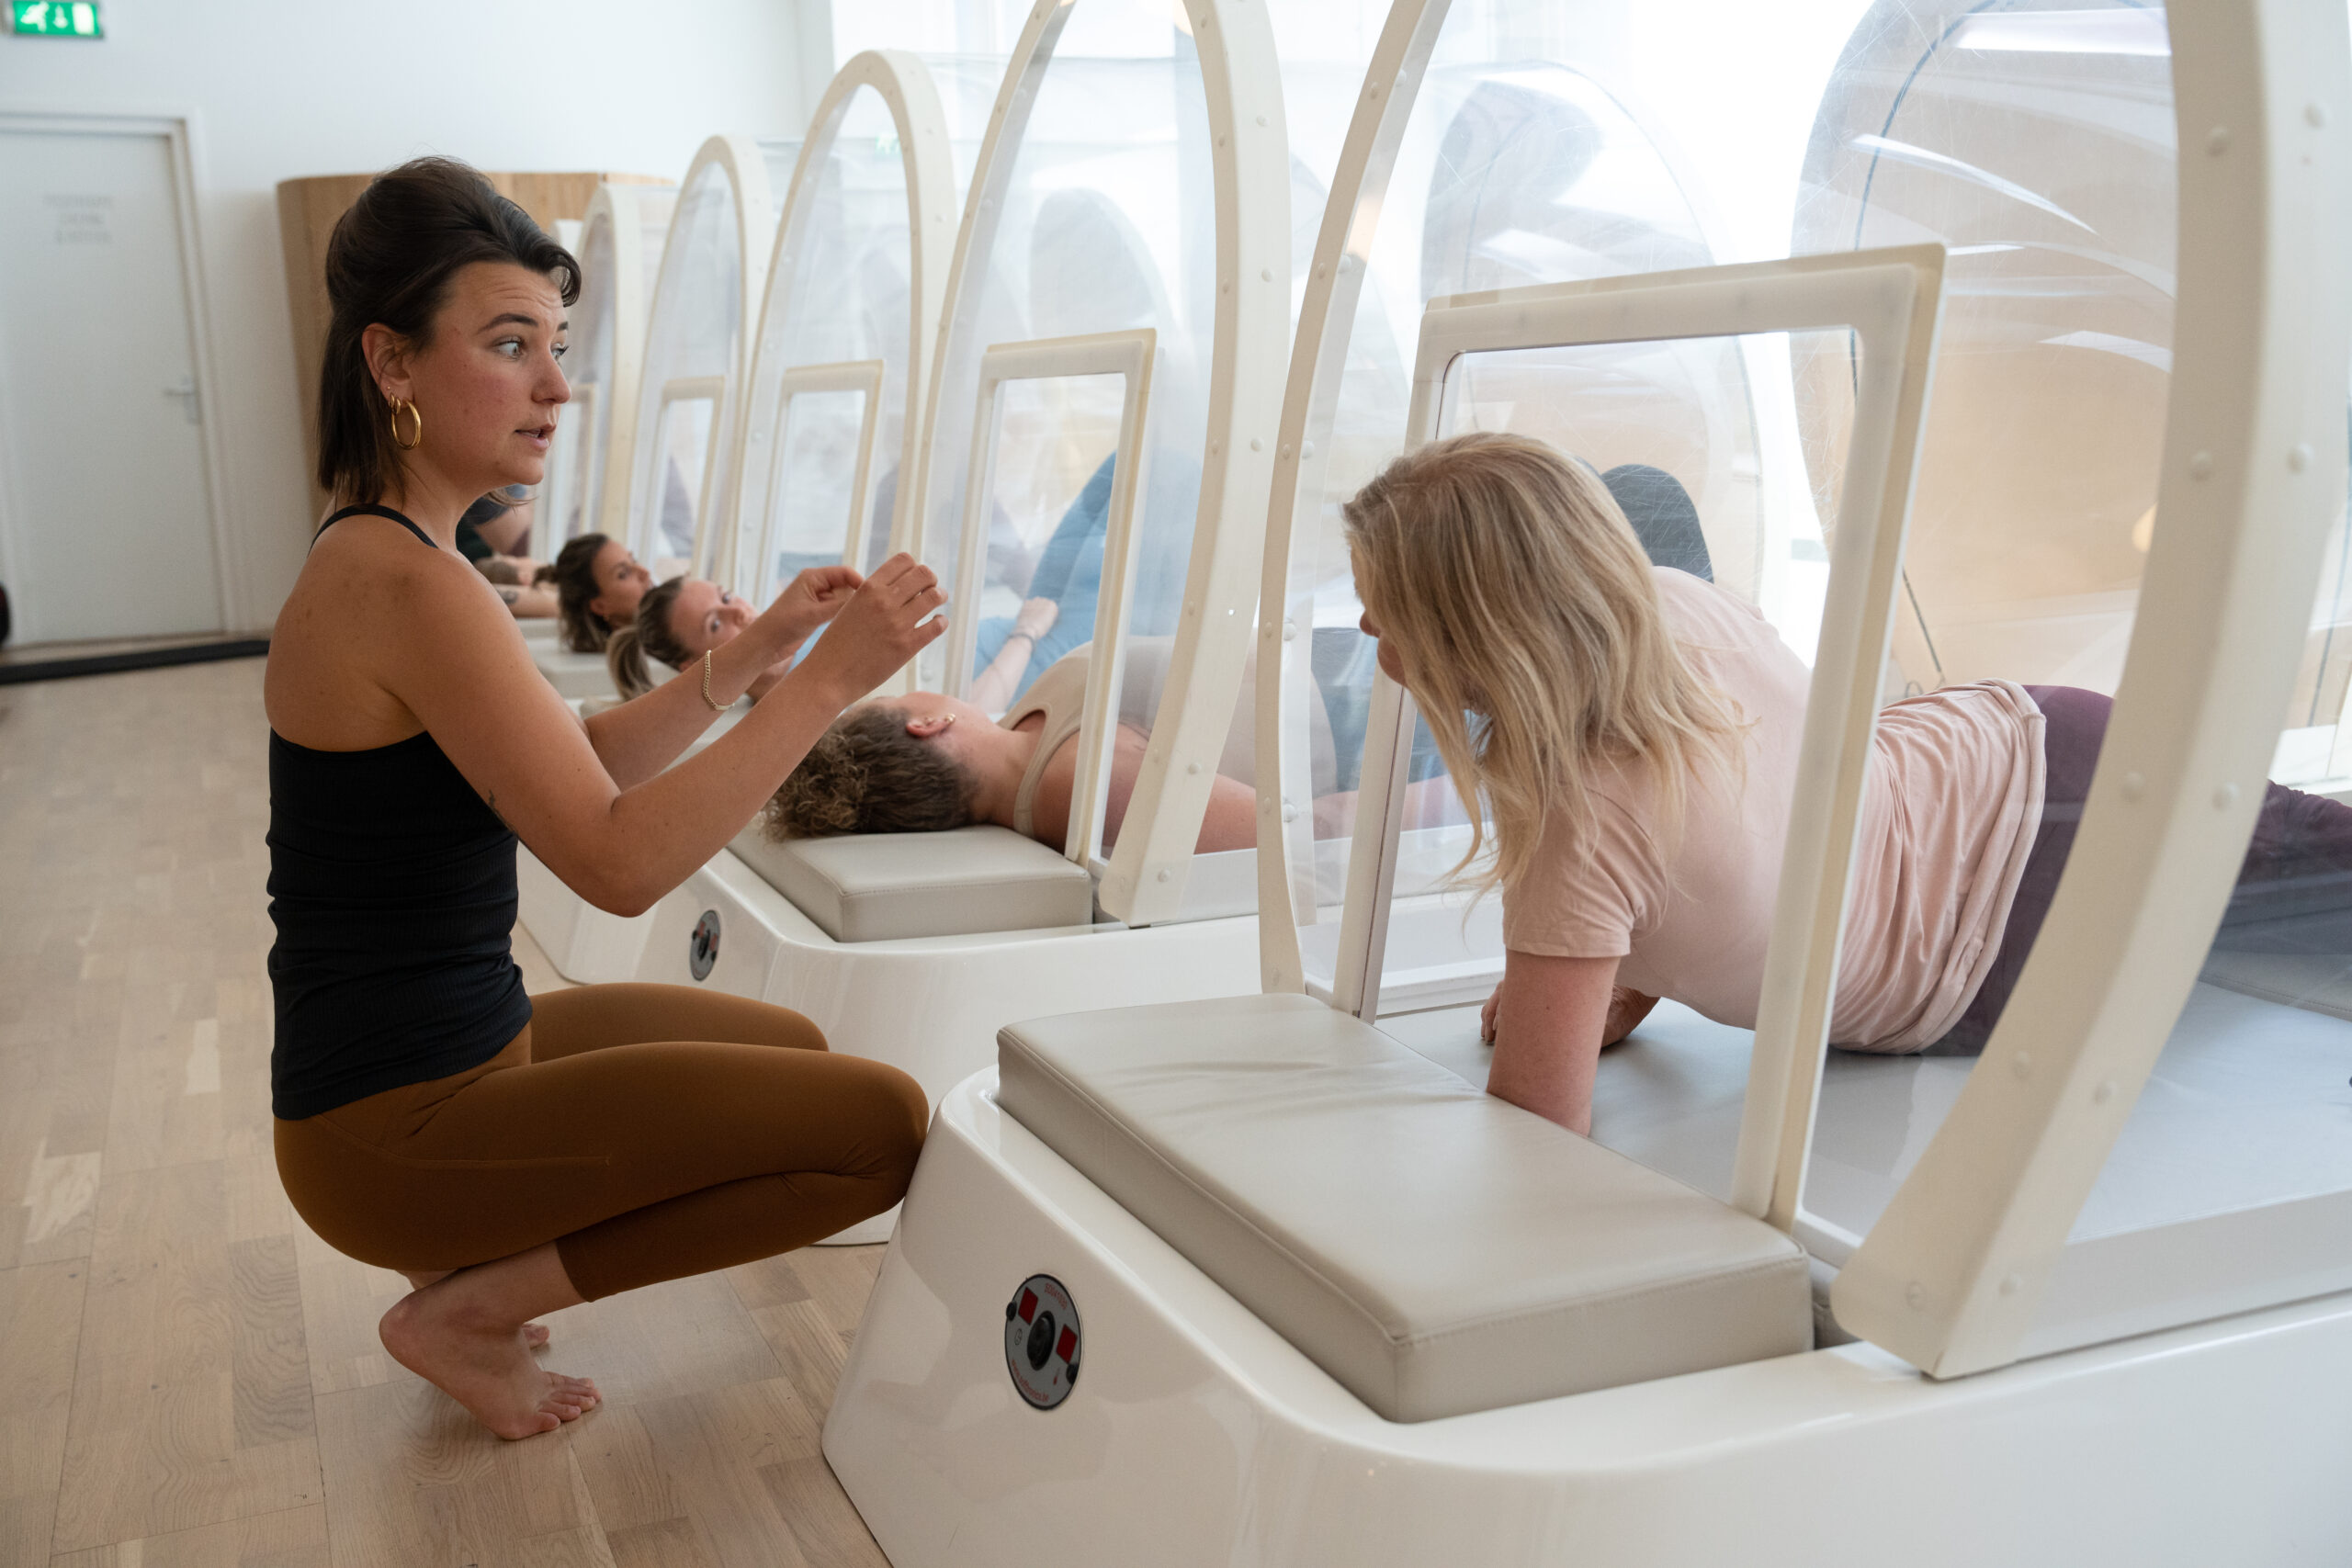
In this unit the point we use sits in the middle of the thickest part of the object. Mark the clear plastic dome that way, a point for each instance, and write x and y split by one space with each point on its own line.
1103 224
2035 143
1103 220
621 254
1509 173
833 399
707 290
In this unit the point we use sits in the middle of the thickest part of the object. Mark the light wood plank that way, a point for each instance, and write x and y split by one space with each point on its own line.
699 1455
824 1524
295 1539
41 1321
154 1119
343 1300
412 1479
679 1336
811 1351
153 1446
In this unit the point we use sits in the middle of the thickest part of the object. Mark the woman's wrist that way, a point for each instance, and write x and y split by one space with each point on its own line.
734 666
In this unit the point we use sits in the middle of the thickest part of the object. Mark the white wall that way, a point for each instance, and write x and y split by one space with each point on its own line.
276 89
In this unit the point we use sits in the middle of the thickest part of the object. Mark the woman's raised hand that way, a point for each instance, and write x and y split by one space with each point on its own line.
885 622
808 601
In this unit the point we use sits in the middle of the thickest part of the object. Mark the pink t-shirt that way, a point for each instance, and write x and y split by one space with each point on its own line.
1950 806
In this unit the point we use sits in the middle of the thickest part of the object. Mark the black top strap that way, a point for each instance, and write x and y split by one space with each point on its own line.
369 509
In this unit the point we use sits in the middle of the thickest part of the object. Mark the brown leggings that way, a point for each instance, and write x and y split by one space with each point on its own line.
650 1131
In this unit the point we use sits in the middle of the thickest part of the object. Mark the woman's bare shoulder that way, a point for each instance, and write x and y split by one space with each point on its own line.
368 606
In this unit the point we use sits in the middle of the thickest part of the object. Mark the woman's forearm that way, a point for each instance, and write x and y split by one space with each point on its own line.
658 832
1549 1017
992 690
638 739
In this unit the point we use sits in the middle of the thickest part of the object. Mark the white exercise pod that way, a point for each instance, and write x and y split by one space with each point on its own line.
1149 197
1200 1433
586 490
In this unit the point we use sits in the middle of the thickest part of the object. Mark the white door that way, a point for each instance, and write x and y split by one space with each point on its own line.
104 510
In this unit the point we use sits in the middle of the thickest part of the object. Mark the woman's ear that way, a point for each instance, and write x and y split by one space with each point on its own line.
387 355
929 725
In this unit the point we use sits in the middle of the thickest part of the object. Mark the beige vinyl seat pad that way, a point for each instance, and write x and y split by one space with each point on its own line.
574 674
883 887
1435 1250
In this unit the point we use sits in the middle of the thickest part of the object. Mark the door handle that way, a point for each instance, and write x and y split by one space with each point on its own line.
191 404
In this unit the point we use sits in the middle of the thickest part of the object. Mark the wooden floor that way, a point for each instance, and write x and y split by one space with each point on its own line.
188 1378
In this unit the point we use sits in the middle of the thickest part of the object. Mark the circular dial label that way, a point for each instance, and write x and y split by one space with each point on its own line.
1041 1340
701 947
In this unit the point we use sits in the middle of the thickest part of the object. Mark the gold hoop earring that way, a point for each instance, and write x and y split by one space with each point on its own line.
413 442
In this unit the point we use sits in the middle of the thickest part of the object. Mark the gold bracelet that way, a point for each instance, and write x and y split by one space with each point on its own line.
714 705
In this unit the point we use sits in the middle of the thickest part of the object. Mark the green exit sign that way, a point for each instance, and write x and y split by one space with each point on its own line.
56 19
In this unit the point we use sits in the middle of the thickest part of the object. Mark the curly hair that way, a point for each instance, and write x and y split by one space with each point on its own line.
866 774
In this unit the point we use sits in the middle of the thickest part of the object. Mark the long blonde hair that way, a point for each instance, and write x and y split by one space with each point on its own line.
1512 587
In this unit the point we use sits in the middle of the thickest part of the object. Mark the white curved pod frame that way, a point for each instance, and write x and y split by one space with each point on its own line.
1890 300
628 210
1953 1276
904 85
1251 170
738 160
1310 401
1128 355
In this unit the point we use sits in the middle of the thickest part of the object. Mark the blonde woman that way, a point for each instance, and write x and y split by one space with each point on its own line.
1636 749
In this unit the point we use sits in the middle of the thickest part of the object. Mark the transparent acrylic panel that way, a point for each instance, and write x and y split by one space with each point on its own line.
1509 172
1104 222
842 293
2036 143
681 450
1664 429
813 508
693 322
1055 459
575 463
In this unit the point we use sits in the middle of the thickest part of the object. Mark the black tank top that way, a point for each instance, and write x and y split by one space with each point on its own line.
392 889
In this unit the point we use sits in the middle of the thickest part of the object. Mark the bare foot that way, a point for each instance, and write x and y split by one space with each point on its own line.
484 1366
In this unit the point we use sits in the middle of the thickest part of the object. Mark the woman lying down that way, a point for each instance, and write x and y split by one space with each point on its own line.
927 763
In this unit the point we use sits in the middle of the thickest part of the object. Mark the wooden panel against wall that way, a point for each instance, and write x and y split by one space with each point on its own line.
307 210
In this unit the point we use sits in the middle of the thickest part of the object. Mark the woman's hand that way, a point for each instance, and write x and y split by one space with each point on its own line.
1626 1009
886 622
808 601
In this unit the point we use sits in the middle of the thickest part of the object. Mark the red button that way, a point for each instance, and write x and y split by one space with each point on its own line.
1066 1346
1028 1305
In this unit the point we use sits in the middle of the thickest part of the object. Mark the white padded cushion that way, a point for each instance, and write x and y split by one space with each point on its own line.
1434 1249
877 887
574 674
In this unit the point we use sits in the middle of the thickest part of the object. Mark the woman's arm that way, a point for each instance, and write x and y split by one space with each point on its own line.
638 739
533 604
1548 1021
998 684
460 665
